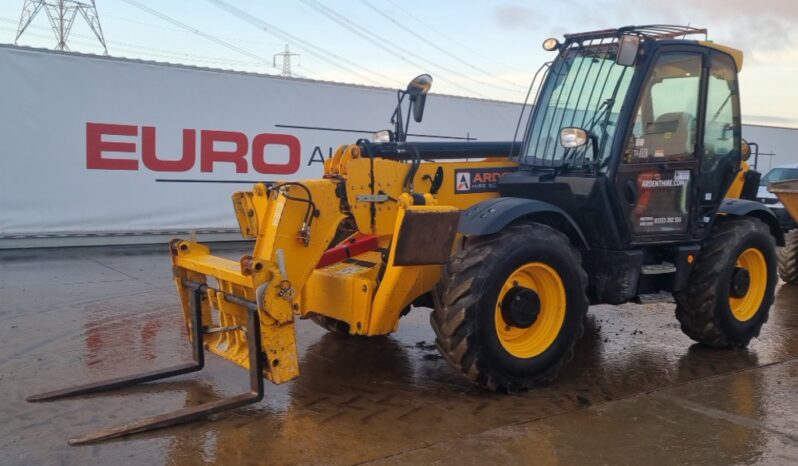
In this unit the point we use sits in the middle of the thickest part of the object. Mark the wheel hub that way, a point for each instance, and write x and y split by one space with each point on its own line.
740 282
520 307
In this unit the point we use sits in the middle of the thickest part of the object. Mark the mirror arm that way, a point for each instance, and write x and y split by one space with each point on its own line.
595 140
409 112
398 124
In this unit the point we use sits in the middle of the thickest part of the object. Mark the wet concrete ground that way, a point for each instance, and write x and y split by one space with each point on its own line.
637 390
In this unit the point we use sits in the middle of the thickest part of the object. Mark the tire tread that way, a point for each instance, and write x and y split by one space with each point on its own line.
696 305
456 300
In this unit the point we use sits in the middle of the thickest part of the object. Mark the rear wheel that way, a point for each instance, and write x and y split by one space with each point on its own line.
511 306
731 286
788 258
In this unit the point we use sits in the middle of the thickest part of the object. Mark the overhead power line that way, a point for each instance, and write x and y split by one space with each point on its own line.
144 52
196 31
163 27
132 51
432 44
388 46
312 49
456 42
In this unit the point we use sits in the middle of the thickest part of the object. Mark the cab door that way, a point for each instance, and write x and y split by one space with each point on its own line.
658 172
720 151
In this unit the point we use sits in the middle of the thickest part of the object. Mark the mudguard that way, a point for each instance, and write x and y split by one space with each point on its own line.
492 215
744 207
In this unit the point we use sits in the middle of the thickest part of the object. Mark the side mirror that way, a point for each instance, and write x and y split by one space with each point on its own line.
627 50
573 137
417 90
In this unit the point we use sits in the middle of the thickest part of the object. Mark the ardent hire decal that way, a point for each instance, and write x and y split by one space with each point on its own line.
478 180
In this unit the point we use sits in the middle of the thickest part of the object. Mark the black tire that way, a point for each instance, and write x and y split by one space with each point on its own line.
788 258
331 325
466 299
703 308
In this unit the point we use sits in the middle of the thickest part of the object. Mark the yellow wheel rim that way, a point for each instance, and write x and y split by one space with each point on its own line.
546 282
746 306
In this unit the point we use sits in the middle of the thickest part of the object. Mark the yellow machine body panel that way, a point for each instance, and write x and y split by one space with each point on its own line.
344 290
389 179
736 54
736 188
402 284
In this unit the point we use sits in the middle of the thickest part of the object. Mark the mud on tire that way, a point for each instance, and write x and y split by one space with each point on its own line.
466 298
788 258
703 308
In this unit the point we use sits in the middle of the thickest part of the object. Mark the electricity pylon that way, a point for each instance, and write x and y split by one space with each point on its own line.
62 14
286 56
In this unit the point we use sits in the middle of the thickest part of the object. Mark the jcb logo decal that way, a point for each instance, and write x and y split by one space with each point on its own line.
478 180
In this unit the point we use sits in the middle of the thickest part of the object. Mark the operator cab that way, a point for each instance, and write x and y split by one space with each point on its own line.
635 133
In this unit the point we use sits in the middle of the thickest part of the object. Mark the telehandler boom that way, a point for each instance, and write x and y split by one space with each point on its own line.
630 181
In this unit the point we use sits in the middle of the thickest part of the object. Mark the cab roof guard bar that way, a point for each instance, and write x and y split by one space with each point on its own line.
649 31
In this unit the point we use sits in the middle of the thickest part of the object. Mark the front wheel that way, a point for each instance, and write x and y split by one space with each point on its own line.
731 287
511 306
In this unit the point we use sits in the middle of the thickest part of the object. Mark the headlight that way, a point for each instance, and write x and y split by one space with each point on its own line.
382 136
551 44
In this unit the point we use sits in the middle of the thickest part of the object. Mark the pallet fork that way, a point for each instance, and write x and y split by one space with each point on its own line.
254 395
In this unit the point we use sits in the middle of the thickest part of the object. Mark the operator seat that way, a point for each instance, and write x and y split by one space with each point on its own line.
668 136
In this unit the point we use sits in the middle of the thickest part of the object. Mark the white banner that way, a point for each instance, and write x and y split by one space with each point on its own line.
101 145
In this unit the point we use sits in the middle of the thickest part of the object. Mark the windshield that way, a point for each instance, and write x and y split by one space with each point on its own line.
779 174
585 89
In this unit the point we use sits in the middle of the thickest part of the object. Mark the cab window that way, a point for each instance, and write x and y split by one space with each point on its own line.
666 116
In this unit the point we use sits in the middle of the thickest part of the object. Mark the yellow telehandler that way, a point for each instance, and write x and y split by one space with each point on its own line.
630 180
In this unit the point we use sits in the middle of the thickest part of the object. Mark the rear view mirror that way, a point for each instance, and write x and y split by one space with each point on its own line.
419 85
627 50
417 90
418 107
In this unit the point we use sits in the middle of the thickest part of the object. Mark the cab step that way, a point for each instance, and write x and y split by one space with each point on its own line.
656 269
651 298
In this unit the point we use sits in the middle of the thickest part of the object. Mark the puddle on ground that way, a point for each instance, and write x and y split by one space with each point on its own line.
79 315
